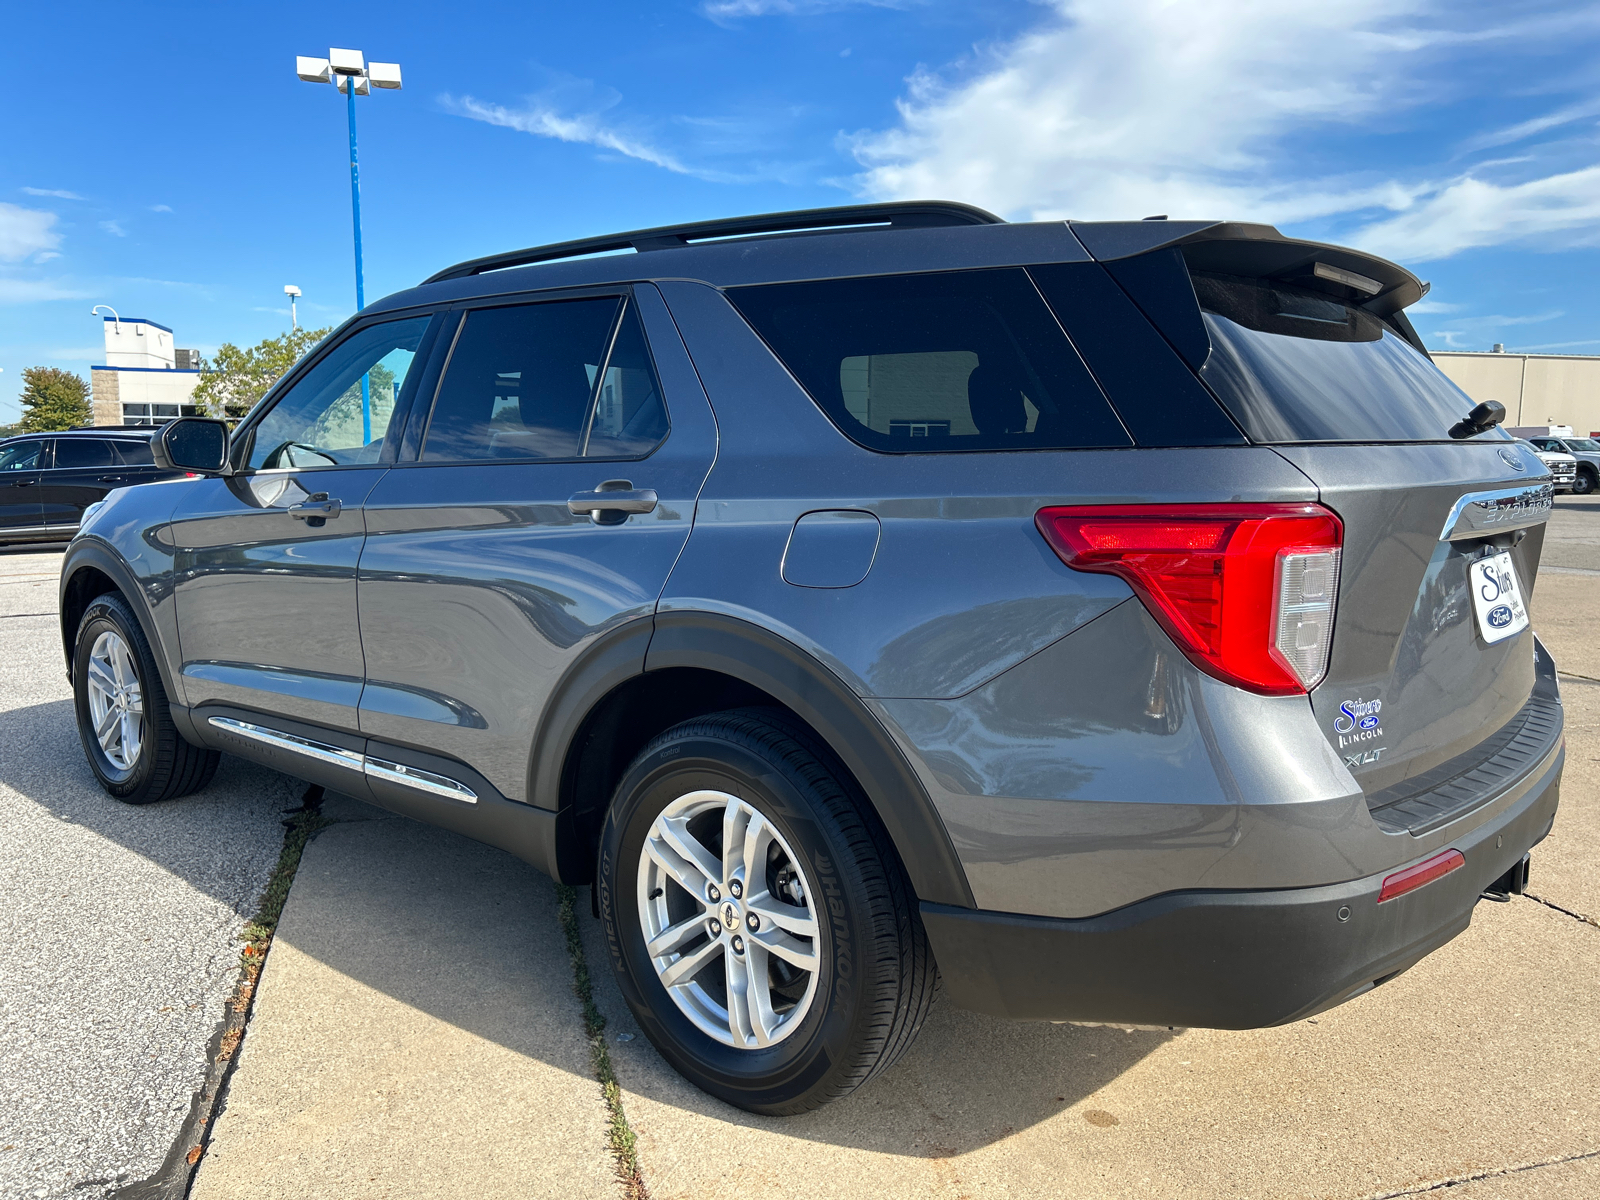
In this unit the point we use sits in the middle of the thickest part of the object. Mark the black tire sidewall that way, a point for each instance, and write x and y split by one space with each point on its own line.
1584 484
102 615
777 1076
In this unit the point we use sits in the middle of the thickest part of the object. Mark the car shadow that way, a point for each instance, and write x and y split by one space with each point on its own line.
441 923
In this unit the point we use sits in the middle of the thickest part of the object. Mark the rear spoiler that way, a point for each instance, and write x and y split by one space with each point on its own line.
1375 284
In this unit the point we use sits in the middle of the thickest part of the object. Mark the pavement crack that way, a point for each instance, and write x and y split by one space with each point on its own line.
1587 920
624 1148
1475 1176
1575 675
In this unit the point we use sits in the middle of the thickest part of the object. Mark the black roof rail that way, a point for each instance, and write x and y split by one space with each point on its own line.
910 214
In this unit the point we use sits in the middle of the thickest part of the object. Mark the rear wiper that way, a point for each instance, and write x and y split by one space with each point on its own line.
1482 418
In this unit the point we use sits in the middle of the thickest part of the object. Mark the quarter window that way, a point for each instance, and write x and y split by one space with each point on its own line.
961 361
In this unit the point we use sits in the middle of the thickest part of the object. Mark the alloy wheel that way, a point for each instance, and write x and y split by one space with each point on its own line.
116 701
726 910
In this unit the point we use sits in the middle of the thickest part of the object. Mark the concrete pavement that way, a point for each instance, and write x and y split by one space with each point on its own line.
118 925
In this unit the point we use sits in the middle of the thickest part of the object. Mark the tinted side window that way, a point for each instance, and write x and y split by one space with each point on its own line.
519 381
20 456
339 411
972 360
83 452
133 454
629 418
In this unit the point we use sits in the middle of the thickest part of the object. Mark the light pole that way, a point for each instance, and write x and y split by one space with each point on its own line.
354 77
293 293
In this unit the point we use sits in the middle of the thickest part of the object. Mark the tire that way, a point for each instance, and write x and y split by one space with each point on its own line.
1584 483
823 1032
143 759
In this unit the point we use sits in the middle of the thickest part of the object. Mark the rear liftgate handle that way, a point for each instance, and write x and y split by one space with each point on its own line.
315 510
613 502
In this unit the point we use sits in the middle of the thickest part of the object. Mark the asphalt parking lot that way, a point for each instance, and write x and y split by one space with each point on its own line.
415 1032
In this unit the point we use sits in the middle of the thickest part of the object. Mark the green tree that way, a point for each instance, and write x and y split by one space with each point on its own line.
233 381
53 399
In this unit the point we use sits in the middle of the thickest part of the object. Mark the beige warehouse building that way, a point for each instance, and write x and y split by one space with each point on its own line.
1537 389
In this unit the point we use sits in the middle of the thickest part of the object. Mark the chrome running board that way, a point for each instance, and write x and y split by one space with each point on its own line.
377 768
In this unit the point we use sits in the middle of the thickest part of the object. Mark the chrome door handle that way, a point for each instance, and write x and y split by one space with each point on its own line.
612 502
109 479
25 483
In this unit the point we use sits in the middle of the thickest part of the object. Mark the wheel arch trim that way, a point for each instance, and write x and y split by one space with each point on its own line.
101 558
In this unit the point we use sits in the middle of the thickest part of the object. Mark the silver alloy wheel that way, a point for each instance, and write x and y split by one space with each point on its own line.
116 701
739 960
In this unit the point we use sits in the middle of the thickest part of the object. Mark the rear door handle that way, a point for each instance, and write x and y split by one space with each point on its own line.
612 502
25 483
109 479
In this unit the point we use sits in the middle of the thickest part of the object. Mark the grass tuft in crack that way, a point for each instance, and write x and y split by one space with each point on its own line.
623 1148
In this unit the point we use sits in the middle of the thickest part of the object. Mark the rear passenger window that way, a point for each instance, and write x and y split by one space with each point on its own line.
962 361
83 452
559 380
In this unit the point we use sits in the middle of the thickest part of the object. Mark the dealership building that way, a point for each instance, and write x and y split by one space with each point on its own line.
1537 389
145 378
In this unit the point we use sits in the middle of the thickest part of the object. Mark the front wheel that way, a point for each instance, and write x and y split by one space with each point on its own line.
123 720
1584 483
759 925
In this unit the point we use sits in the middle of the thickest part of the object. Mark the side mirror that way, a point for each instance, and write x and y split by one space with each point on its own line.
198 444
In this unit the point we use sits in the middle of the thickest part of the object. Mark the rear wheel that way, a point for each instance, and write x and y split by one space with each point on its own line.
1584 483
124 722
759 925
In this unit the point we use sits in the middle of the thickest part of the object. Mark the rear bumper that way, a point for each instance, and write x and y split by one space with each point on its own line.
1226 960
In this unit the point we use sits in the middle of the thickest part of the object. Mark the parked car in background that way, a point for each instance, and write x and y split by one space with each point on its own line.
1560 439
1563 466
48 479
1125 621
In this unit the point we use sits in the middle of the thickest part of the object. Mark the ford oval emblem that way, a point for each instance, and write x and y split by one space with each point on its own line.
1500 616
1513 460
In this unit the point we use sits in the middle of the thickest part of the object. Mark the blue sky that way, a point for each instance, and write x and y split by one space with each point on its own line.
165 160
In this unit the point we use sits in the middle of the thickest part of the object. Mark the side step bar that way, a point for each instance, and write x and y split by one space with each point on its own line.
377 768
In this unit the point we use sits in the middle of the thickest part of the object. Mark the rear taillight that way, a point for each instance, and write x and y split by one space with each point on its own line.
1245 590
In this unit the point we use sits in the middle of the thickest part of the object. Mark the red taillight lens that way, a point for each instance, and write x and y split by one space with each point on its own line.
1412 878
1245 590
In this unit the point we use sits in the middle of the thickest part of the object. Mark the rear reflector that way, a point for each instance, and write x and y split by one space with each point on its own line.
1246 591
1412 878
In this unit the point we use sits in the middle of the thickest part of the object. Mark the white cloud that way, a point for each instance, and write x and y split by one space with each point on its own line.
161 208
26 231
542 120
55 192
114 228
29 291
1121 108
1472 212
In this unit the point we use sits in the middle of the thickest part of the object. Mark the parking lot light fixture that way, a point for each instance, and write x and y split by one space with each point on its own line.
293 293
354 76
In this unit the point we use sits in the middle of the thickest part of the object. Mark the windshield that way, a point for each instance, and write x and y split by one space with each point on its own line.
1298 366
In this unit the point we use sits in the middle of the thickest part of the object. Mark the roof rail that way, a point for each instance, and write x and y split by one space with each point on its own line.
900 215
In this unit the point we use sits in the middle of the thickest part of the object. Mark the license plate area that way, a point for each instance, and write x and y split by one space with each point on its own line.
1497 597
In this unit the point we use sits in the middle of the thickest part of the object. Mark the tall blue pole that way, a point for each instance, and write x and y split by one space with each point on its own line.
355 212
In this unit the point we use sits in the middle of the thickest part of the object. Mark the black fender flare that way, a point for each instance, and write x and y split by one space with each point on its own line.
89 552
796 679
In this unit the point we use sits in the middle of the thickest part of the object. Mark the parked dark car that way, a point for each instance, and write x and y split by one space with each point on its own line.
48 479
1122 621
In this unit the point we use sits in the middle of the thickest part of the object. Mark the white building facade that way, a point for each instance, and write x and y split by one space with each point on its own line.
1537 389
145 379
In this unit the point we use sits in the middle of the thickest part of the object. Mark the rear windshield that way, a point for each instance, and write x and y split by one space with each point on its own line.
961 361
1300 366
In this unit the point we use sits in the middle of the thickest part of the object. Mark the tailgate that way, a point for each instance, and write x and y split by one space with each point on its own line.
1429 716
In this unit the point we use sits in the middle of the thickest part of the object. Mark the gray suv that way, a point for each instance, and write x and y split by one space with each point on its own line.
1113 621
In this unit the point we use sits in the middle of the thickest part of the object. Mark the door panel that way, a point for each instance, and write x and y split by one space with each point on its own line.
479 588
82 471
266 601
20 511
